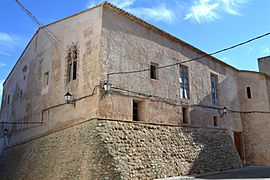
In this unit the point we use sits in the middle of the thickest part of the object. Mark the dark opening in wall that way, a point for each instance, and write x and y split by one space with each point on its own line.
153 71
214 83
70 72
185 115
46 78
21 94
215 121
248 93
184 82
74 70
135 111
8 99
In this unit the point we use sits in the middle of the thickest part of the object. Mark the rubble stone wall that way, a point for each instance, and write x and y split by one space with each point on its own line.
106 149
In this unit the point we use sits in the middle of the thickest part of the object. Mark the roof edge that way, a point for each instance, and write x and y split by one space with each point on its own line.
164 33
28 44
99 5
142 22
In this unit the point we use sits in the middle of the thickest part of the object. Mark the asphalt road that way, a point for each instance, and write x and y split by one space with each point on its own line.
255 172
248 173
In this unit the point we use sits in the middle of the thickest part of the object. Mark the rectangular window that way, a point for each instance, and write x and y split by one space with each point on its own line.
21 94
70 72
74 70
214 81
8 99
215 121
185 115
153 71
46 78
135 111
184 82
248 93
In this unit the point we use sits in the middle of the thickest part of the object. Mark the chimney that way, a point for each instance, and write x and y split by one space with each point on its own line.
264 65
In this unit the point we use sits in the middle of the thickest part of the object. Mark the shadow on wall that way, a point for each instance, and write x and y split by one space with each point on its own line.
2 141
204 112
214 151
217 151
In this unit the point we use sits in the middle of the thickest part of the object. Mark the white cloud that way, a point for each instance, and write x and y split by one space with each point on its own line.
119 3
211 10
203 10
8 43
2 64
123 3
158 14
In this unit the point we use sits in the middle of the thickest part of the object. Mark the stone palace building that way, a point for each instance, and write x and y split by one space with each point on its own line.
107 65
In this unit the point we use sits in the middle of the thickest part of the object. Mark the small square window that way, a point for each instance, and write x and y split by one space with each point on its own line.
153 71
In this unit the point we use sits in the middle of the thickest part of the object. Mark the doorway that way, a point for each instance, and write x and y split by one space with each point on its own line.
238 143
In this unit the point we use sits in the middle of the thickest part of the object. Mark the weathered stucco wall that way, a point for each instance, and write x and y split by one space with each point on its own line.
127 45
30 97
264 65
256 138
256 122
103 149
110 41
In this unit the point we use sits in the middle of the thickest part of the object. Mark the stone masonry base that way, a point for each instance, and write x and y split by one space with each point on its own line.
106 149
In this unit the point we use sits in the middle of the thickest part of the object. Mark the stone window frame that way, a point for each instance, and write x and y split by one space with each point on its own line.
72 64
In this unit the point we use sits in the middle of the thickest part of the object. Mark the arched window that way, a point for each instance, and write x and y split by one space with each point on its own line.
72 63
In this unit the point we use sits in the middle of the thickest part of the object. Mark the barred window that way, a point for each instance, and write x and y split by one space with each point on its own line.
214 81
72 63
184 82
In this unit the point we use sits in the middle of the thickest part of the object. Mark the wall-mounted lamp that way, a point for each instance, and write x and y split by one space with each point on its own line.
69 98
107 86
223 112
5 133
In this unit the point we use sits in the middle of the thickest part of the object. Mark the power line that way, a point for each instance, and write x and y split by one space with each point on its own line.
172 102
51 36
194 59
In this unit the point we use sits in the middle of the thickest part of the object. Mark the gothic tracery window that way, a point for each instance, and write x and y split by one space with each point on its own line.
72 59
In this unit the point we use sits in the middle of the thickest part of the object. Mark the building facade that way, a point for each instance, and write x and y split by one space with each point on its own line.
106 45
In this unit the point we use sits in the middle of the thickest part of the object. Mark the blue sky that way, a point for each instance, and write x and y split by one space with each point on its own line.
209 25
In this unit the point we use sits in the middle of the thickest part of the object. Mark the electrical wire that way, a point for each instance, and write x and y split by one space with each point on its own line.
51 36
194 59
170 101
59 44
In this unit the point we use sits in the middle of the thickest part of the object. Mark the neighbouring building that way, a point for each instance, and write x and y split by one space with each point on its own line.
101 46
